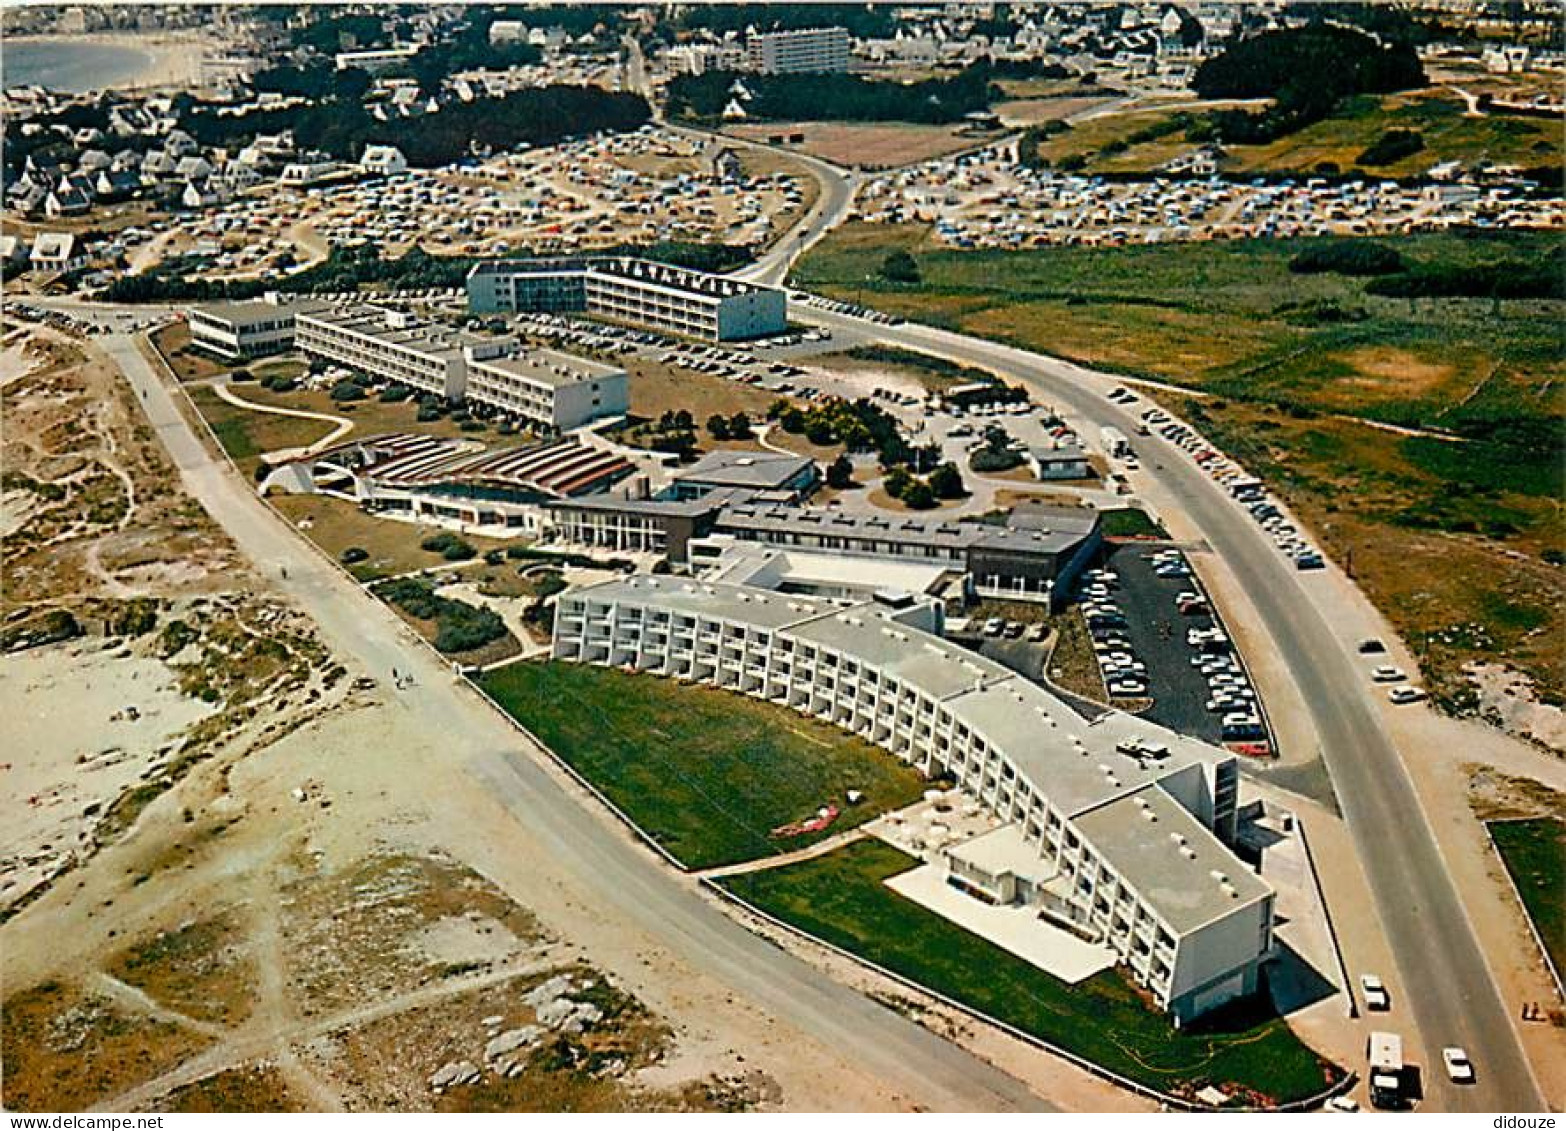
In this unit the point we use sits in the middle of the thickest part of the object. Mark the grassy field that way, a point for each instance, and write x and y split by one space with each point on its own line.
1440 117
245 435
1534 852
872 145
707 774
1455 539
842 899
336 525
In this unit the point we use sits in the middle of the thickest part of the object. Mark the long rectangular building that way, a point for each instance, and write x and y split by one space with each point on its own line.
393 346
640 292
1126 825
543 388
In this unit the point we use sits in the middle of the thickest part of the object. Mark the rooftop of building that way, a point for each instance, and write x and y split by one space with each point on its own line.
759 470
727 602
549 367
397 328
1172 860
255 310
1042 535
669 508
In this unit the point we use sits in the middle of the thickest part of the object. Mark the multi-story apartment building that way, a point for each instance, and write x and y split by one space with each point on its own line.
393 346
1119 828
540 387
640 292
548 388
798 52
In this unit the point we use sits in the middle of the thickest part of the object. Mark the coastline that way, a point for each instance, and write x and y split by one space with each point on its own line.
172 60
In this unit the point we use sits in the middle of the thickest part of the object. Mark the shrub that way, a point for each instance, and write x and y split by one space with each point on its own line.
900 267
946 482
1391 147
353 555
1347 257
449 546
840 473
718 426
241 375
918 496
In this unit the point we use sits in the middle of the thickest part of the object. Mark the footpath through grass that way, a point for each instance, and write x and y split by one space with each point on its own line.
707 774
1534 852
841 898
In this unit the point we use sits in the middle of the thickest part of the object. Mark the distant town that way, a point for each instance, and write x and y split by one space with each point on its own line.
966 557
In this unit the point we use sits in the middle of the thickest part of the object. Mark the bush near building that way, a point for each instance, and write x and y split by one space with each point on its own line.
459 626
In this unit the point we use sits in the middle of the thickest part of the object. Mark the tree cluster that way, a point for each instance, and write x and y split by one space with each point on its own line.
1307 71
459 626
834 97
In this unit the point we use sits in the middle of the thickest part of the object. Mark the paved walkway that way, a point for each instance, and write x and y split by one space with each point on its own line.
282 455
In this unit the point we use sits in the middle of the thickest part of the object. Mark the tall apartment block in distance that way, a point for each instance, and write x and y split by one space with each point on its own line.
801 52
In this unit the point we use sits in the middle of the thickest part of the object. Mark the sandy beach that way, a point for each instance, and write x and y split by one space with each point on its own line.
171 60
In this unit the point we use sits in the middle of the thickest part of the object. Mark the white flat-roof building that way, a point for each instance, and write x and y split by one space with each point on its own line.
798 52
1126 824
541 387
549 388
641 292
393 346
237 330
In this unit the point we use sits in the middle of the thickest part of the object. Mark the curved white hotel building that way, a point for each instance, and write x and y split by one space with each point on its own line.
1121 827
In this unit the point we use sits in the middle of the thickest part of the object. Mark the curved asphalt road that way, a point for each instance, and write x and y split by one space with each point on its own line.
1451 991
621 877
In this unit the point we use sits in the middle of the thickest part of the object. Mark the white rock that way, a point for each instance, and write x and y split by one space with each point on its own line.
510 1041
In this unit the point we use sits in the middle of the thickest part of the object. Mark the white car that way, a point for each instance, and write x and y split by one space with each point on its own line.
1375 991
1386 673
1401 695
1459 1069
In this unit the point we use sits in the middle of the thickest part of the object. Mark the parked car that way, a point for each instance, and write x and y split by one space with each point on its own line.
1371 647
1402 695
1459 1069
1375 991
1386 673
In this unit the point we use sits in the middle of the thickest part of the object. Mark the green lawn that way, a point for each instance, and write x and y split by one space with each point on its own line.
706 773
1535 854
841 898
1131 522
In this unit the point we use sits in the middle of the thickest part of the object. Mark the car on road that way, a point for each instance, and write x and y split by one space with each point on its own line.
1459 1069
1375 991
1386 673
1403 695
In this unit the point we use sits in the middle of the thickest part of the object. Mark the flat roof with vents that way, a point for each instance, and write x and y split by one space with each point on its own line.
1179 878
547 367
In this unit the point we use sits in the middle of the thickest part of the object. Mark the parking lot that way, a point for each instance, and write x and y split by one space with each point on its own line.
1157 639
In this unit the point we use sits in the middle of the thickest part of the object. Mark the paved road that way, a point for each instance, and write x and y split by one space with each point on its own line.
1453 996
617 874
